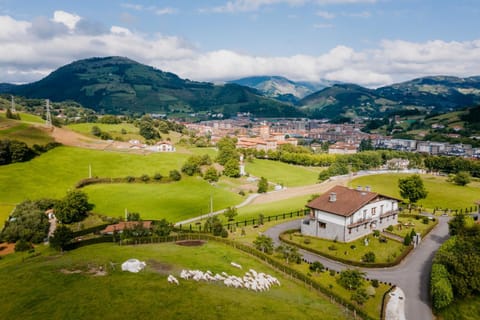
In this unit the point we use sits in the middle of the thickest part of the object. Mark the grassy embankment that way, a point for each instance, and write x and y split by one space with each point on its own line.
42 287
24 130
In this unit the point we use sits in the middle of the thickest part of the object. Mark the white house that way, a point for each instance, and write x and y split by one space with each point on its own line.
346 214
162 146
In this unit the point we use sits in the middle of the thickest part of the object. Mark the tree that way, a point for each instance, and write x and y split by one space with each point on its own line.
61 237
289 253
264 244
412 188
226 150
232 169
28 222
23 245
462 178
162 228
407 240
133 216
457 225
74 207
96 131
316 267
365 145
369 257
175 175
148 131
211 175
440 287
360 296
230 213
351 279
262 185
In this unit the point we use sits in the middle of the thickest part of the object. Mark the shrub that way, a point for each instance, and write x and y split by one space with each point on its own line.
407 240
351 279
390 228
369 257
353 247
307 241
440 287
145 178
130 179
332 247
157 176
425 220
376 233
175 175
375 283
316 266
224 233
22 245
332 272
371 291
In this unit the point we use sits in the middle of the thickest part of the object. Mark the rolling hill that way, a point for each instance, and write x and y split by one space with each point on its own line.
120 85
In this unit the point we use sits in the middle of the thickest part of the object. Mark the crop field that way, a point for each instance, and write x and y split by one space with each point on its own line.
282 173
177 201
53 173
42 286
441 194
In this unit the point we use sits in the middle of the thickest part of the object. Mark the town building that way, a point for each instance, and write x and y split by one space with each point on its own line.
346 214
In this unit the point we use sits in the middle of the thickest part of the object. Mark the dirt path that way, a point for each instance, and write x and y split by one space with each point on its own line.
300 191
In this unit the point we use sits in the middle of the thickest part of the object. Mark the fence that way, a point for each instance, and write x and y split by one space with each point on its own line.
254 221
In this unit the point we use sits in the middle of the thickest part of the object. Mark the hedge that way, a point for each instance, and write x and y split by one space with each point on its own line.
90 230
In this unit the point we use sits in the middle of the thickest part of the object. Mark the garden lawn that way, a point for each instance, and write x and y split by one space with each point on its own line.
409 223
373 305
39 289
384 252
281 173
441 194
174 201
55 172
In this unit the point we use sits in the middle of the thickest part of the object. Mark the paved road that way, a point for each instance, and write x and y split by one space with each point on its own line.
411 275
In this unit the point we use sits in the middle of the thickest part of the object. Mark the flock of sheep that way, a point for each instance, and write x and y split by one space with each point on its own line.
252 280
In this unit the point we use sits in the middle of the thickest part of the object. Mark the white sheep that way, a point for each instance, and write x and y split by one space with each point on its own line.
172 279
236 265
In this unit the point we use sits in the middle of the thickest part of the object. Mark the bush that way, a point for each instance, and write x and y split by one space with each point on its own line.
369 257
145 178
353 247
224 233
307 241
157 177
407 240
316 266
332 247
332 272
425 220
130 179
376 233
390 228
175 175
440 287
23 245
375 283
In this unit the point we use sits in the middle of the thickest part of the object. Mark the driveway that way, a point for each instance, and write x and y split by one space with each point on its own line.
411 275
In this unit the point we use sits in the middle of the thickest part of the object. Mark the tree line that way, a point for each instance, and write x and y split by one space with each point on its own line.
12 151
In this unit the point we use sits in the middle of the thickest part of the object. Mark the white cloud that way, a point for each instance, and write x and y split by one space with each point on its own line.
325 14
344 1
250 5
323 25
68 19
24 58
164 11
363 14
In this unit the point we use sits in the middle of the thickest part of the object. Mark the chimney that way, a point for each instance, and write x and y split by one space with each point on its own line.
333 197
367 188
359 188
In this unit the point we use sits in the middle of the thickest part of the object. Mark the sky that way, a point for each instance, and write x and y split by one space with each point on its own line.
368 42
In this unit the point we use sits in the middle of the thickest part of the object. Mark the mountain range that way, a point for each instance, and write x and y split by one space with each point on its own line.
119 85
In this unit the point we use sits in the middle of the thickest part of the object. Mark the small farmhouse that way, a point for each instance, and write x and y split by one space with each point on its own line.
346 214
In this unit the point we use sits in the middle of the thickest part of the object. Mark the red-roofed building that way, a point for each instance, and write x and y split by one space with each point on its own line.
346 214
119 227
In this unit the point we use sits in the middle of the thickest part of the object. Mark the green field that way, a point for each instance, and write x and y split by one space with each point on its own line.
441 194
5 210
272 208
282 173
22 131
177 201
53 173
42 287
113 129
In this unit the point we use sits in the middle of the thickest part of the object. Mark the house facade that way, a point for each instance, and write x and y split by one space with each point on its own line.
346 214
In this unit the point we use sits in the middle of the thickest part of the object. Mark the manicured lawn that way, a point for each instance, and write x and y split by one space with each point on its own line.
407 224
54 172
282 173
38 289
384 252
441 194
176 201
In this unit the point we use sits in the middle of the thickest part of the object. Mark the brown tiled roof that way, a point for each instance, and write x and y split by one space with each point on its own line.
348 201
126 225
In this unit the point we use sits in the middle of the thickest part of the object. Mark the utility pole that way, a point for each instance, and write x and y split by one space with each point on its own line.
12 108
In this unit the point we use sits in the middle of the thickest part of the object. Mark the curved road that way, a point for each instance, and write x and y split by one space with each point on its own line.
411 275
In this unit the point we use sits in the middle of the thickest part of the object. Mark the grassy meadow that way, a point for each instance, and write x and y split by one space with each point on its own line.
177 201
272 208
23 131
42 287
441 194
132 132
283 173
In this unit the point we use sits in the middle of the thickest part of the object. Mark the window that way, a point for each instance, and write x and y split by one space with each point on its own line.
364 214
381 209
374 211
322 225
350 231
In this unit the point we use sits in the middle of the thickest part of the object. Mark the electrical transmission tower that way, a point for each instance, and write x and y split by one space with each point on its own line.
48 117
12 108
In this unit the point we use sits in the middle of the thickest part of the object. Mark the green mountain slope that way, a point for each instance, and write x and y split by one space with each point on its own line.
120 85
